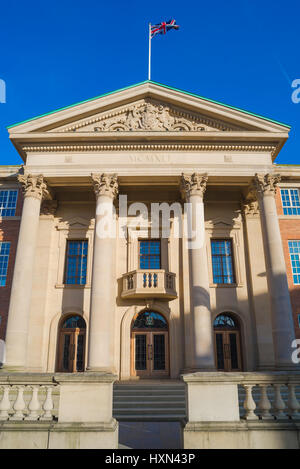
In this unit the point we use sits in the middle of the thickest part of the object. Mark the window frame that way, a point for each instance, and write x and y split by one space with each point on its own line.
291 207
68 241
294 274
234 276
149 254
4 268
7 209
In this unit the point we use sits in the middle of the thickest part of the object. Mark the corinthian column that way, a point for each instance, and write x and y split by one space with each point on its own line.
34 190
101 330
281 310
193 188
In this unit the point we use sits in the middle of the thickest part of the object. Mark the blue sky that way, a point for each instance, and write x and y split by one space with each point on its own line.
243 53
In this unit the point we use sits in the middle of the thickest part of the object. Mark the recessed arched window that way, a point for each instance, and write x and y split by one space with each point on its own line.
227 343
73 322
150 320
225 321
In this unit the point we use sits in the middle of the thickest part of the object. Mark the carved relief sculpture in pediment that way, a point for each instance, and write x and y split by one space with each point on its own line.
148 115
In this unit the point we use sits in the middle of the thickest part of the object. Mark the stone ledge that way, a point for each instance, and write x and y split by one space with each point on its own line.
85 377
14 377
52 426
212 377
242 426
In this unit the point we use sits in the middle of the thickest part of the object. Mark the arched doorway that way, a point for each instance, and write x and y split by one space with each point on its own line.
227 343
71 345
149 345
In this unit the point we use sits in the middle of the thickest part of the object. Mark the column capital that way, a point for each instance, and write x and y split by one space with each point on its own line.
105 184
266 184
194 184
34 186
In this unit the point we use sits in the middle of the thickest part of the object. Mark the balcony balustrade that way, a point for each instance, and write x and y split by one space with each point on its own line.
149 284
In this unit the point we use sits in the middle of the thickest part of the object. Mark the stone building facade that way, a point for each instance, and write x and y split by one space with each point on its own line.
136 304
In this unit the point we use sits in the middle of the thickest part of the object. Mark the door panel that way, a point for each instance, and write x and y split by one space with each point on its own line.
228 352
71 350
150 354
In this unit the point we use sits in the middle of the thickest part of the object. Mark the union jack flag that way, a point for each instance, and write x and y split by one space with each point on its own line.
163 27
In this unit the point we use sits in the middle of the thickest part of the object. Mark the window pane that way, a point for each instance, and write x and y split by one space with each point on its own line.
159 359
290 201
233 352
76 262
140 352
8 203
222 262
220 353
4 257
294 249
150 254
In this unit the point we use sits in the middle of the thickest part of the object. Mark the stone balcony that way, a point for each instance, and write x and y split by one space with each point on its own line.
149 284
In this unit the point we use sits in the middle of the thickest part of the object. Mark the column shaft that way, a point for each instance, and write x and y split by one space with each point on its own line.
282 316
203 356
19 309
101 324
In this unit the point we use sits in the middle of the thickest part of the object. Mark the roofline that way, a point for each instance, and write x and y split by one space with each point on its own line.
157 84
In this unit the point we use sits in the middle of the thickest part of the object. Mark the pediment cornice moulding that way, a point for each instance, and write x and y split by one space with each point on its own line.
76 223
224 223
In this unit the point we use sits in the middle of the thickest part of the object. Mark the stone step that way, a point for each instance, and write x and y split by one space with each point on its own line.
153 394
151 402
150 418
149 398
150 411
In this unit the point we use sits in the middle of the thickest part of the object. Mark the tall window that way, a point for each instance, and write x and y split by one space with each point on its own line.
76 262
4 256
294 248
290 201
222 261
150 254
8 203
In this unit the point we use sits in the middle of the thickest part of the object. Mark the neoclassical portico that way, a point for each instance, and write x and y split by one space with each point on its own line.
154 145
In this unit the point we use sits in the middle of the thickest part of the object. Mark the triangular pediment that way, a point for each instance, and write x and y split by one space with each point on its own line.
148 107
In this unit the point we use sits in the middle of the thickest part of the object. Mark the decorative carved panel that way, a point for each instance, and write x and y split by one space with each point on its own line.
148 115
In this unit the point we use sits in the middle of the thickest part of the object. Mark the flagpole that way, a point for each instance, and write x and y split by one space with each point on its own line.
149 63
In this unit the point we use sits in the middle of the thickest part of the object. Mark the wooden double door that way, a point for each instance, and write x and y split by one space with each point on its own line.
228 350
71 350
150 357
